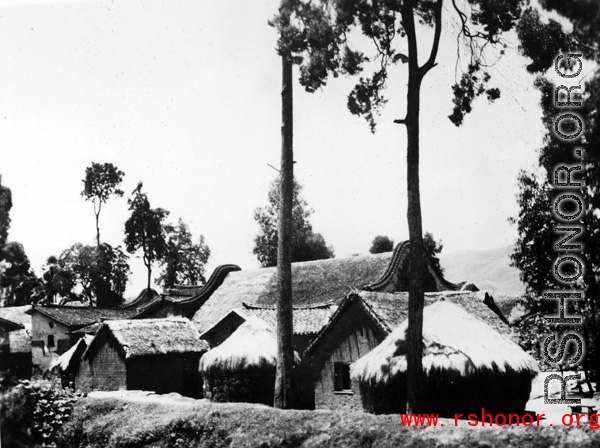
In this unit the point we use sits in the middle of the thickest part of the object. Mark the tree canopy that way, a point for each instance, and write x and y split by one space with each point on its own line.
306 245
5 206
101 181
145 230
540 233
94 274
381 244
184 260
17 276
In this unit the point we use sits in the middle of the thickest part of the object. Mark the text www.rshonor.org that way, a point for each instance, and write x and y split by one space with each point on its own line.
485 419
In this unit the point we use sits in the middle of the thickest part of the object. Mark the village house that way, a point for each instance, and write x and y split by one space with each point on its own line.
160 355
362 321
52 325
319 288
468 366
15 341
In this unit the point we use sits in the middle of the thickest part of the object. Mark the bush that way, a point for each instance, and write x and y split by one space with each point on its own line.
33 411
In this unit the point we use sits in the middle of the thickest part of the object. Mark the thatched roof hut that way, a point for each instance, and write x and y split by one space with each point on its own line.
468 364
253 344
150 337
160 355
243 367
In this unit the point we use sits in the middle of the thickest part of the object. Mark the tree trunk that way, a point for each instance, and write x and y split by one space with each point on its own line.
284 379
416 298
97 213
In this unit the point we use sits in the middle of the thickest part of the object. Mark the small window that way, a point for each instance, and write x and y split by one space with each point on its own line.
341 376
50 340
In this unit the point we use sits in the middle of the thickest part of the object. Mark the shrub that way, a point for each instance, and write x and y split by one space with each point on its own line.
32 412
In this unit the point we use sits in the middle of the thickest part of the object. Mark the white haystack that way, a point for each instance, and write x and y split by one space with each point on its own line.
453 340
68 359
253 344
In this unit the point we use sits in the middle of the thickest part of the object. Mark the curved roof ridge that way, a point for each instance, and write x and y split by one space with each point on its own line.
215 280
400 253
254 306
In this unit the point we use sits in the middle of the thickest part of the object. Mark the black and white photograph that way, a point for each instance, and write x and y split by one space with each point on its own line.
299 223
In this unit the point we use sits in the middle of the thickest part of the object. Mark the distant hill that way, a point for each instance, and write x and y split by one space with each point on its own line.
489 270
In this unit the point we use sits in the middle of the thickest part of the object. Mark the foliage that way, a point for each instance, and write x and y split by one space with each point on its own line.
96 274
34 411
101 181
145 229
184 261
381 244
5 206
318 42
112 423
232 388
534 254
306 245
16 274
433 248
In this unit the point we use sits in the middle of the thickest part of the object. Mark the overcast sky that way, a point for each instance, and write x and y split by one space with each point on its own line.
185 96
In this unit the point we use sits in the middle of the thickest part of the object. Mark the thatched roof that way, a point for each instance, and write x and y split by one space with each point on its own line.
388 310
253 344
313 282
20 341
77 316
17 315
453 340
308 319
69 360
149 337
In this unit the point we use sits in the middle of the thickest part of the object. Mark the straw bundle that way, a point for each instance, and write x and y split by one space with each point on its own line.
453 341
67 362
253 344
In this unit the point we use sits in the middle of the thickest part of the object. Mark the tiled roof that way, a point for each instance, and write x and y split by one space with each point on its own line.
77 316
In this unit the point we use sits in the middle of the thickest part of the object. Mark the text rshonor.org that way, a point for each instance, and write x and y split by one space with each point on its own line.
485 419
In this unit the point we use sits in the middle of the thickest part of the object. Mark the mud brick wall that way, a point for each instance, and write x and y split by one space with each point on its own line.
354 336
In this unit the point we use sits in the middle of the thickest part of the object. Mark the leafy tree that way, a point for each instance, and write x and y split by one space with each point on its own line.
184 261
384 23
96 274
534 254
381 244
17 276
101 181
433 248
5 206
58 281
305 245
145 230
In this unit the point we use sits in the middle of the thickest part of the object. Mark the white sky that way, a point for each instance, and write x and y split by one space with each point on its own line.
184 95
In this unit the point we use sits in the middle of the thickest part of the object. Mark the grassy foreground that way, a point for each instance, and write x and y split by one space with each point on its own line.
109 422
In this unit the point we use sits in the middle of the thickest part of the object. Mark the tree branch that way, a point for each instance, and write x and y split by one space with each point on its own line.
436 39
